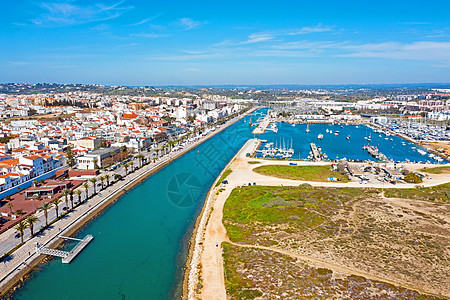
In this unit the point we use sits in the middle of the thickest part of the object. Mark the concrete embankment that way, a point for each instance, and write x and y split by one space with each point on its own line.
22 262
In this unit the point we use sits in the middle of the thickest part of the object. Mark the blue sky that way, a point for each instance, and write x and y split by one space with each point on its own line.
229 42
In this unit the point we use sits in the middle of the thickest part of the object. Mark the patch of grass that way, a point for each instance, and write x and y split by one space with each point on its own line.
436 170
439 193
307 173
258 202
224 175
253 162
250 208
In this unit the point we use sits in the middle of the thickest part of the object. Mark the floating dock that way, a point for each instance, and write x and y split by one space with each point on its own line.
317 154
262 127
67 256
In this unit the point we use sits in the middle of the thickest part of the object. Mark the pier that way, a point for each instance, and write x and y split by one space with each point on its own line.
315 152
375 153
67 256
262 126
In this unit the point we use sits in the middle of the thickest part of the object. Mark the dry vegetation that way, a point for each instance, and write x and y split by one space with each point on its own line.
264 274
399 239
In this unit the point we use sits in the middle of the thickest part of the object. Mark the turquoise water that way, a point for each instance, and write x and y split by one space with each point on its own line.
140 243
338 146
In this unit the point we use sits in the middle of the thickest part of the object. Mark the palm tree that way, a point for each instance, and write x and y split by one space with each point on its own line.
78 192
124 151
107 179
126 168
157 152
95 161
71 197
131 165
66 194
21 226
86 189
55 203
30 221
45 206
141 158
93 180
10 206
102 180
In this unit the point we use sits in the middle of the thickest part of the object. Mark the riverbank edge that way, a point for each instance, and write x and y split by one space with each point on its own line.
17 279
192 271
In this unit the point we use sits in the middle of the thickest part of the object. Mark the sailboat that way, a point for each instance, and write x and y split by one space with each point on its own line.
307 128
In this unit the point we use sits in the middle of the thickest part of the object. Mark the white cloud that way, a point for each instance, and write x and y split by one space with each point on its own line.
188 23
423 50
19 63
311 29
146 20
66 13
150 35
259 37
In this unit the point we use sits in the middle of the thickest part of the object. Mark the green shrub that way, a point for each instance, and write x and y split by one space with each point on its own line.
413 178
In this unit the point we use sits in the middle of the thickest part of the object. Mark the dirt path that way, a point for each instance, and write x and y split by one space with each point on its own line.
334 267
213 280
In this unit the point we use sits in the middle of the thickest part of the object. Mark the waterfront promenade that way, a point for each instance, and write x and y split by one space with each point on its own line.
17 265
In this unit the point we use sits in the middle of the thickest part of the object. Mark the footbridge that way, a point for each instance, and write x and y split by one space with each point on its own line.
67 256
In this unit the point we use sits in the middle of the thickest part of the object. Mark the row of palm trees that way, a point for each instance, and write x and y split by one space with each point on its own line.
68 194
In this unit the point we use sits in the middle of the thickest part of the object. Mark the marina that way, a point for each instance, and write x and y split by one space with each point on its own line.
349 142
417 129
279 151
